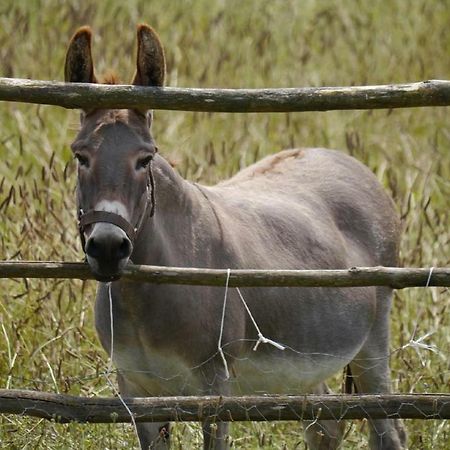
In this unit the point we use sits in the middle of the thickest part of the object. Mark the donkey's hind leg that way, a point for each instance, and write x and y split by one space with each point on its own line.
323 434
371 374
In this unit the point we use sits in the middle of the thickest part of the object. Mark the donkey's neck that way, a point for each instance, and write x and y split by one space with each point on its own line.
184 229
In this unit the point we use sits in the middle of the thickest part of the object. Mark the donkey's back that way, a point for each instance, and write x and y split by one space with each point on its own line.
322 206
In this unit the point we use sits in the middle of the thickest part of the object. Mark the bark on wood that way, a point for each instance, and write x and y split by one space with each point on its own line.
357 276
66 408
83 95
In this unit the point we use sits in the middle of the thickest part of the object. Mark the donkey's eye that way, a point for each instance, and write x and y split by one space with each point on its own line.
142 163
82 160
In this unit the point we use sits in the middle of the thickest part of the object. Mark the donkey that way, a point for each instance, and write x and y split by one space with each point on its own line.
300 208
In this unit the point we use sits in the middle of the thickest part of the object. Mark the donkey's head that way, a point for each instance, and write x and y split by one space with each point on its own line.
114 149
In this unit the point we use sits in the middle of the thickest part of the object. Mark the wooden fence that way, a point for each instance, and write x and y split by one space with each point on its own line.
64 408
81 95
67 408
395 277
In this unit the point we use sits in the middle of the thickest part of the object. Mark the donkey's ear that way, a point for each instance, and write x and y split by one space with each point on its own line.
79 67
151 63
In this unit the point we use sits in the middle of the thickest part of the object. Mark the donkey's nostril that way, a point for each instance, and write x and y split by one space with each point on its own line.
92 248
124 250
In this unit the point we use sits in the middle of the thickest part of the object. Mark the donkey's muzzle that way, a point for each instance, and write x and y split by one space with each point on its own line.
108 250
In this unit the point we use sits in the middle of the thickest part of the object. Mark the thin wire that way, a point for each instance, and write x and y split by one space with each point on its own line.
110 363
419 344
429 277
219 345
261 338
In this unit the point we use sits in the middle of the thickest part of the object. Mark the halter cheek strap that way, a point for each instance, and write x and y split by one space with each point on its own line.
94 216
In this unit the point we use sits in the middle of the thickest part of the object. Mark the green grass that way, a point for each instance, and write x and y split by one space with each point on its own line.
47 338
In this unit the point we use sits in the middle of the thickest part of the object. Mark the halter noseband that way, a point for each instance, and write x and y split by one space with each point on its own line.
93 216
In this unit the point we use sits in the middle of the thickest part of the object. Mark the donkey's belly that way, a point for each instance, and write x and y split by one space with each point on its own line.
287 374
281 372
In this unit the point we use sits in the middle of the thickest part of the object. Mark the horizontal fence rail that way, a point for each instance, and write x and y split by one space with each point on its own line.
67 408
395 277
84 95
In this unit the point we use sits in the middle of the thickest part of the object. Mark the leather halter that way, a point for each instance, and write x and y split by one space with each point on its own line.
93 216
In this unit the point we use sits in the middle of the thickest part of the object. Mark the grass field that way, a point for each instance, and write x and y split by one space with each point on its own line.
47 337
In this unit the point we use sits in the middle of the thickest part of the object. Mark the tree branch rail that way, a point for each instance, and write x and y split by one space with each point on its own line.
88 96
395 277
66 408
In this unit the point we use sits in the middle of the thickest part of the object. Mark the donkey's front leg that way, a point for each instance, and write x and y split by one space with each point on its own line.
215 433
323 434
152 435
